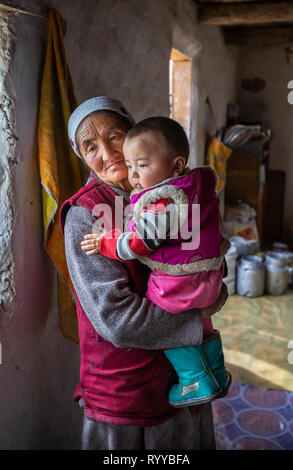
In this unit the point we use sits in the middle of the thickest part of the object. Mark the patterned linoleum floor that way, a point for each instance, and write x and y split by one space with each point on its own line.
252 418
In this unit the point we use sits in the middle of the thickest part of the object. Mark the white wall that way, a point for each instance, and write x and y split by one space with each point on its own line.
114 47
270 65
123 49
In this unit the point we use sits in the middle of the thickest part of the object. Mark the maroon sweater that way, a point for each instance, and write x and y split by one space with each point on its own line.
122 386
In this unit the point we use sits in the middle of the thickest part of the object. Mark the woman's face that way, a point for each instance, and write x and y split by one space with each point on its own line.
100 139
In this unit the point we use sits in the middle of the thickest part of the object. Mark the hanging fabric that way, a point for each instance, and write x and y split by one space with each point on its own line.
59 168
217 153
216 157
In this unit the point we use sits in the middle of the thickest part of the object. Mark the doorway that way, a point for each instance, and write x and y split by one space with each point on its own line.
180 88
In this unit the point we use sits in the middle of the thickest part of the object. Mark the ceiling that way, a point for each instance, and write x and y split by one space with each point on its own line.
249 22
236 1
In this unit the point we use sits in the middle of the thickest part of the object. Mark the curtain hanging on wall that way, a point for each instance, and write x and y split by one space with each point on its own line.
59 168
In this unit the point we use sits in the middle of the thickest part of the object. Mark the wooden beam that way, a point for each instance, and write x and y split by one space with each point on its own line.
258 36
228 14
225 1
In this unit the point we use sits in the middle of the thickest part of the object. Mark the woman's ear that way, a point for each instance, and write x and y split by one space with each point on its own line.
179 163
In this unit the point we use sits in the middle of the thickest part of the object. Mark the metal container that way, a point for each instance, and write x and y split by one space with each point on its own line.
290 277
250 276
289 259
288 256
230 279
277 273
280 246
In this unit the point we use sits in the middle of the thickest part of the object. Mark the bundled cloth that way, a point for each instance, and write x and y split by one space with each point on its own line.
60 172
241 228
216 157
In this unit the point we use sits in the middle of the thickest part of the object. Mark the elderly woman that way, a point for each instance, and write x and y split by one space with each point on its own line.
124 375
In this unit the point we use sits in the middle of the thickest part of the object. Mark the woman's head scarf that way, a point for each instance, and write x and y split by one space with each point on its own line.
99 103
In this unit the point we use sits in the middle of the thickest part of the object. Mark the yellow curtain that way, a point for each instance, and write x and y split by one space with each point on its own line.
59 167
216 157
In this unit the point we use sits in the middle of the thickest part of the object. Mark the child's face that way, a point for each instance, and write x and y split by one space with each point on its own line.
148 159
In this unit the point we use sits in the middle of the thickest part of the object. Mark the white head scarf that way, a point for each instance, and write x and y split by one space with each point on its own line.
100 103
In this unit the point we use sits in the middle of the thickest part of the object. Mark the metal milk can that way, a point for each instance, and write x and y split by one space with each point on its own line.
277 273
230 279
250 276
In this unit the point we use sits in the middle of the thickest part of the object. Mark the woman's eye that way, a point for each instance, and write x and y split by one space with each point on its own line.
115 137
92 149
142 165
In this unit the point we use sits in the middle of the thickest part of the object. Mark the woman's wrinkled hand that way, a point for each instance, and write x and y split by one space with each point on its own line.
217 305
91 243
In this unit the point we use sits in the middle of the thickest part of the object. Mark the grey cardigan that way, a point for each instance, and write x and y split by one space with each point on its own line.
119 315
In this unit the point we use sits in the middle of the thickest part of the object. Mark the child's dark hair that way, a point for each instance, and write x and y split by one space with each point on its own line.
171 130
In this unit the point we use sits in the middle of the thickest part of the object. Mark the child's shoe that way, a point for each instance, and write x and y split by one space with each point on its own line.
212 350
201 372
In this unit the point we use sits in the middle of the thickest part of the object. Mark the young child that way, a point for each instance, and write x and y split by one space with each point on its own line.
184 275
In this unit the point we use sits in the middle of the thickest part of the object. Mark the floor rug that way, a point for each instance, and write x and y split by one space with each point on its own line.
252 418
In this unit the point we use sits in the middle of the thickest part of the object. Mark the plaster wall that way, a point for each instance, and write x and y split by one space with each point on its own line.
39 367
123 48
270 104
117 48
7 159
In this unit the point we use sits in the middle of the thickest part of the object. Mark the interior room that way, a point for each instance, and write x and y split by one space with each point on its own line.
223 69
